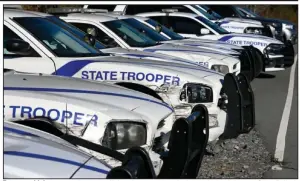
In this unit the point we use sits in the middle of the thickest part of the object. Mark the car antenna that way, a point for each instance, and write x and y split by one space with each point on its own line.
67 120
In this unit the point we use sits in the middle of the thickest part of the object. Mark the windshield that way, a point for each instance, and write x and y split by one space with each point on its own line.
213 13
248 12
204 13
130 35
58 40
165 30
154 35
212 25
77 32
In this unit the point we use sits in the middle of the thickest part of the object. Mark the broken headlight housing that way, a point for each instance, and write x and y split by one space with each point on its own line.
120 135
220 68
196 93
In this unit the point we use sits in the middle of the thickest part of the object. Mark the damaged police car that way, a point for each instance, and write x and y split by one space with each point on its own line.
67 157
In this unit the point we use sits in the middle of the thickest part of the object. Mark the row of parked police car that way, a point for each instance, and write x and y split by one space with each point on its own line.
119 91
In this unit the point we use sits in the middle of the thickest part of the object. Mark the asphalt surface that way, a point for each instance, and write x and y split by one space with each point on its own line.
270 92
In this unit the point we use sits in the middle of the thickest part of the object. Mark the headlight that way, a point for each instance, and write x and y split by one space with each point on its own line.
289 26
220 68
183 110
274 49
124 135
253 30
196 93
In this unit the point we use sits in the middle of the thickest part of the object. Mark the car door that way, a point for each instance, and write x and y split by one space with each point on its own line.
35 62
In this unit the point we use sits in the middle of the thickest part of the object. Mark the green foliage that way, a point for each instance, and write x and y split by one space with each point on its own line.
285 12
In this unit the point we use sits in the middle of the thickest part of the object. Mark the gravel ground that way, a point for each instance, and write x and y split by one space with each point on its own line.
244 157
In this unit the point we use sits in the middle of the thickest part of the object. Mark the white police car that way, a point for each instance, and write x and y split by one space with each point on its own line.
64 156
231 25
105 114
109 33
194 26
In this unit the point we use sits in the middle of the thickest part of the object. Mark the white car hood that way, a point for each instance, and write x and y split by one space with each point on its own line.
241 20
226 37
129 53
189 50
213 43
205 46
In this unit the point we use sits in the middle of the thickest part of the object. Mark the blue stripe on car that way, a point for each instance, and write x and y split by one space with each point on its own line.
154 50
54 159
228 37
83 92
178 60
20 132
66 70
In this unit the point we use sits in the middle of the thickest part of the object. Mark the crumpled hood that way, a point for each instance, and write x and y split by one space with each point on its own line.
95 94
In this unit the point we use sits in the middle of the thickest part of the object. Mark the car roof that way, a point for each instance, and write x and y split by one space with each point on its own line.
192 15
126 16
99 17
11 13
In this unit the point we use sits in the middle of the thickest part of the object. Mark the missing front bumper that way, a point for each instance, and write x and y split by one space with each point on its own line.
240 107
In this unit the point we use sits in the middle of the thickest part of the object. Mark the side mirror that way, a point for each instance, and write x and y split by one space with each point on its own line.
204 31
18 46
90 39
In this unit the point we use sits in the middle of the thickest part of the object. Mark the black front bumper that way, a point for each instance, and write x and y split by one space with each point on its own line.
289 53
240 107
252 62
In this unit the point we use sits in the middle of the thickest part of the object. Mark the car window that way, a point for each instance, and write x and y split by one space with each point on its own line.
154 35
129 34
212 25
165 30
103 6
76 31
60 41
181 24
99 34
8 34
225 11
204 13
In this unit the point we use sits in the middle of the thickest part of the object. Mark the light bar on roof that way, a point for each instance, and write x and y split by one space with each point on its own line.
169 10
76 10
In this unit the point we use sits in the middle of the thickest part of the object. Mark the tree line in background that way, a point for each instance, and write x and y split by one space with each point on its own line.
285 12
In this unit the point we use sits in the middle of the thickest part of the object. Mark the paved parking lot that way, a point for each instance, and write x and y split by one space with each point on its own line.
271 92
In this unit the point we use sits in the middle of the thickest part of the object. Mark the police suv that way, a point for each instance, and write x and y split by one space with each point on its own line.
34 43
194 26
